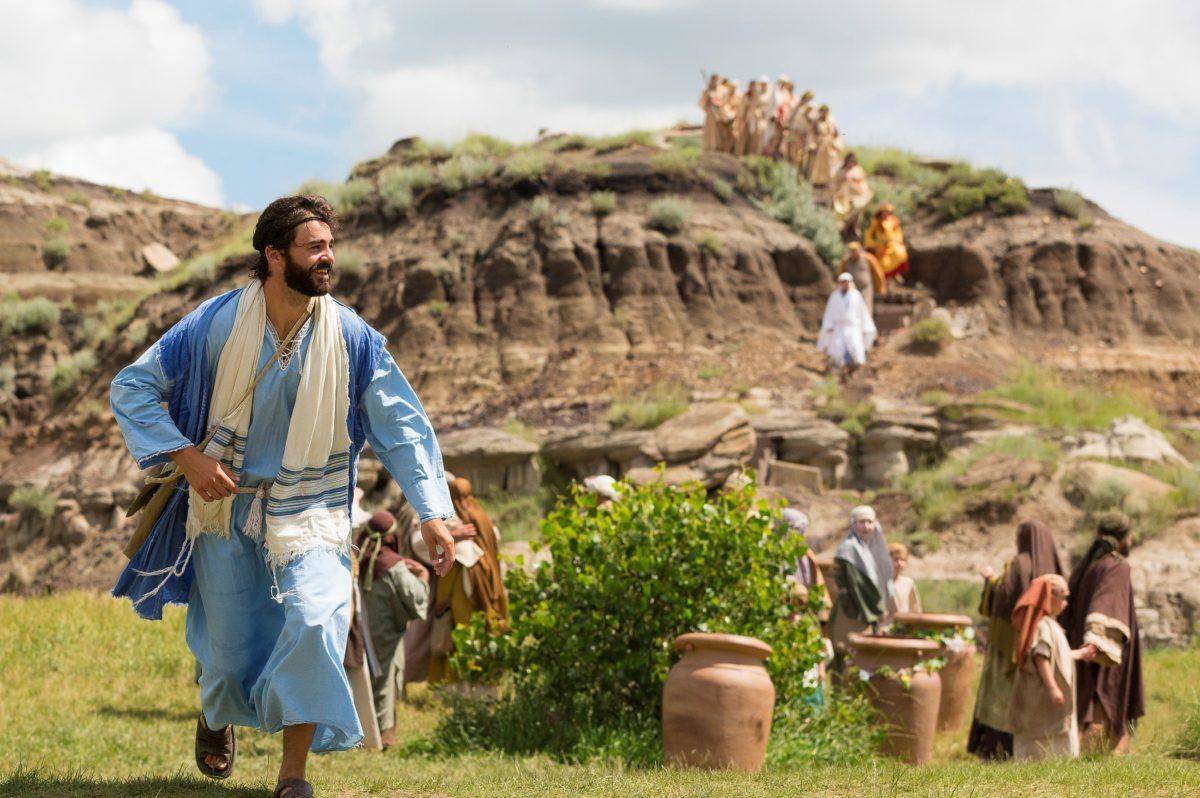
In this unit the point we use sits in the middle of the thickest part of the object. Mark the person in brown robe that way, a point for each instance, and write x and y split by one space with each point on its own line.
1100 616
487 580
991 733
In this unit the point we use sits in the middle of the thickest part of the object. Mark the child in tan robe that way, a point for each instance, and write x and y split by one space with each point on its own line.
906 597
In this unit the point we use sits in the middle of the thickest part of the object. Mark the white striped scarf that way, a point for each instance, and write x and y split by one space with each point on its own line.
306 506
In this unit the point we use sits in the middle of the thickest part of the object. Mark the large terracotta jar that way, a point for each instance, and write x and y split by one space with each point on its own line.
907 698
717 703
959 655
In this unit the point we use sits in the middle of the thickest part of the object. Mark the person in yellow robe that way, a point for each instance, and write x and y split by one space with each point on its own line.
885 240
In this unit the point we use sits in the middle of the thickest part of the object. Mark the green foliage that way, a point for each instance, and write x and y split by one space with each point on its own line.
463 171
518 515
721 189
481 145
958 596
57 226
348 261
55 251
606 144
540 207
966 190
424 149
8 379
32 499
929 335
791 201
1068 203
1186 744
711 243
594 170
603 203
42 179
1055 405
568 143
18 316
591 637
845 731
68 372
436 307
137 333
398 184
667 214
711 371
78 198
648 408
676 162
526 165
346 197
853 417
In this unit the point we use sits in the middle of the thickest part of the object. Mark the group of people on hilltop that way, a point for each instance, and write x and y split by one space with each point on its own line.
772 120
1062 669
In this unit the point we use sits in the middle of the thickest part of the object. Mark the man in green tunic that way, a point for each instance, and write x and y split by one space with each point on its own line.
863 572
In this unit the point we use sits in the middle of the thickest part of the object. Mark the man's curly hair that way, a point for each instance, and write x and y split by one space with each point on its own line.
278 222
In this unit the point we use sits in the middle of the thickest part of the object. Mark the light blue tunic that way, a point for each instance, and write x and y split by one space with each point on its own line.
271 663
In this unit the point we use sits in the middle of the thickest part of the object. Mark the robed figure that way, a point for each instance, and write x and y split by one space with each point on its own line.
847 329
863 573
1101 614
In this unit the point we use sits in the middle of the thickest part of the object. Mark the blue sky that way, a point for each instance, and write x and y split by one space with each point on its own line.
234 103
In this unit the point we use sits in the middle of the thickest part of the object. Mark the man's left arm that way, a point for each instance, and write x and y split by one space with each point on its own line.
401 435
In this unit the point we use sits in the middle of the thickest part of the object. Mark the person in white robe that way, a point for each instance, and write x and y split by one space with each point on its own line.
847 330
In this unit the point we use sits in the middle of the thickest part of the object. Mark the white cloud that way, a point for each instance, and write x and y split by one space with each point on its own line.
92 91
148 158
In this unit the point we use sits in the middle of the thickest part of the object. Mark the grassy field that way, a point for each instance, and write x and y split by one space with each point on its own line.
94 702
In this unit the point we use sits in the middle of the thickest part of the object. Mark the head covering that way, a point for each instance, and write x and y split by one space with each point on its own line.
846 277
486 577
870 556
378 547
806 96
1111 529
795 521
1034 605
1036 556
863 512
602 485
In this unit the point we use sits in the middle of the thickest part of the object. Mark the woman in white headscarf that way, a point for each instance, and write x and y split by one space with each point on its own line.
804 573
863 572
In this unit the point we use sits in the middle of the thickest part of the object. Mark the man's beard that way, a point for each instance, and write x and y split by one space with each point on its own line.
301 279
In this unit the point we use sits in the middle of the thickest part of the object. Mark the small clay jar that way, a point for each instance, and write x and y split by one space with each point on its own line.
959 671
717 703
909 711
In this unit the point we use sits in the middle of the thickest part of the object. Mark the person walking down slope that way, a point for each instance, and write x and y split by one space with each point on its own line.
847 329
885 240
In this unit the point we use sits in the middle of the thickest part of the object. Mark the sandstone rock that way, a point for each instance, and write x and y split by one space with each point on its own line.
1084 480
159 258
492 459
671 475
777 420
577 444
822 444
701 428
1129 438
890 446
781 474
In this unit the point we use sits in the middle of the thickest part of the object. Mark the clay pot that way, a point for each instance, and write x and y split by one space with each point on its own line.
717 703
959 672
911 711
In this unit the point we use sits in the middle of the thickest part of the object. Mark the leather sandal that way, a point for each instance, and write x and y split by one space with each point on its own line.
215 743
293 788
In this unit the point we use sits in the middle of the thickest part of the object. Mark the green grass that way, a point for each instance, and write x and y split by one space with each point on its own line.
1056 405
967 190
1068 203
668 214
398 184
950 595
675 162
527 165
853 417
619 141
711 243
18 316
648 408
55 251
929 335
31 498
85 717
603 203
67 373
481 145
464 171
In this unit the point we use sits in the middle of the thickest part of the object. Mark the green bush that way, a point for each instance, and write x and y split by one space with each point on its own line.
966 191
526 165
78 198
649 408
643 138
722 189
711 243
397 185
17 315
791 202
463 171
929 335
481 145
591 638
55 251
8 379
667 214
68 372
1068 203
675 162
33 499
344 197
603 203
593 170
540 207
57 226
1053 404
42 179
568 143
348 261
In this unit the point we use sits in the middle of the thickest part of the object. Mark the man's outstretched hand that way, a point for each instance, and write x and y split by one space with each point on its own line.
440 544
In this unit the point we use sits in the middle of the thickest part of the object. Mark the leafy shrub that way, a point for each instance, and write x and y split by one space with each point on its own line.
594 170
397 184
464 171
526 165
667 214
57 226
55 251
711 243
567 143
791 202
966 191
481 145
1068 203
540 208
137 333
424 149
603 203
722 189
42 179
17 315
675 162
648 408
68 372
591 637
352 195
78 198
34 500
605 144
930 335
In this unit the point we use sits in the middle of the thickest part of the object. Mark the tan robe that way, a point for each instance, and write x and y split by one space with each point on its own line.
851 193
906 598
1041 730
828 156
